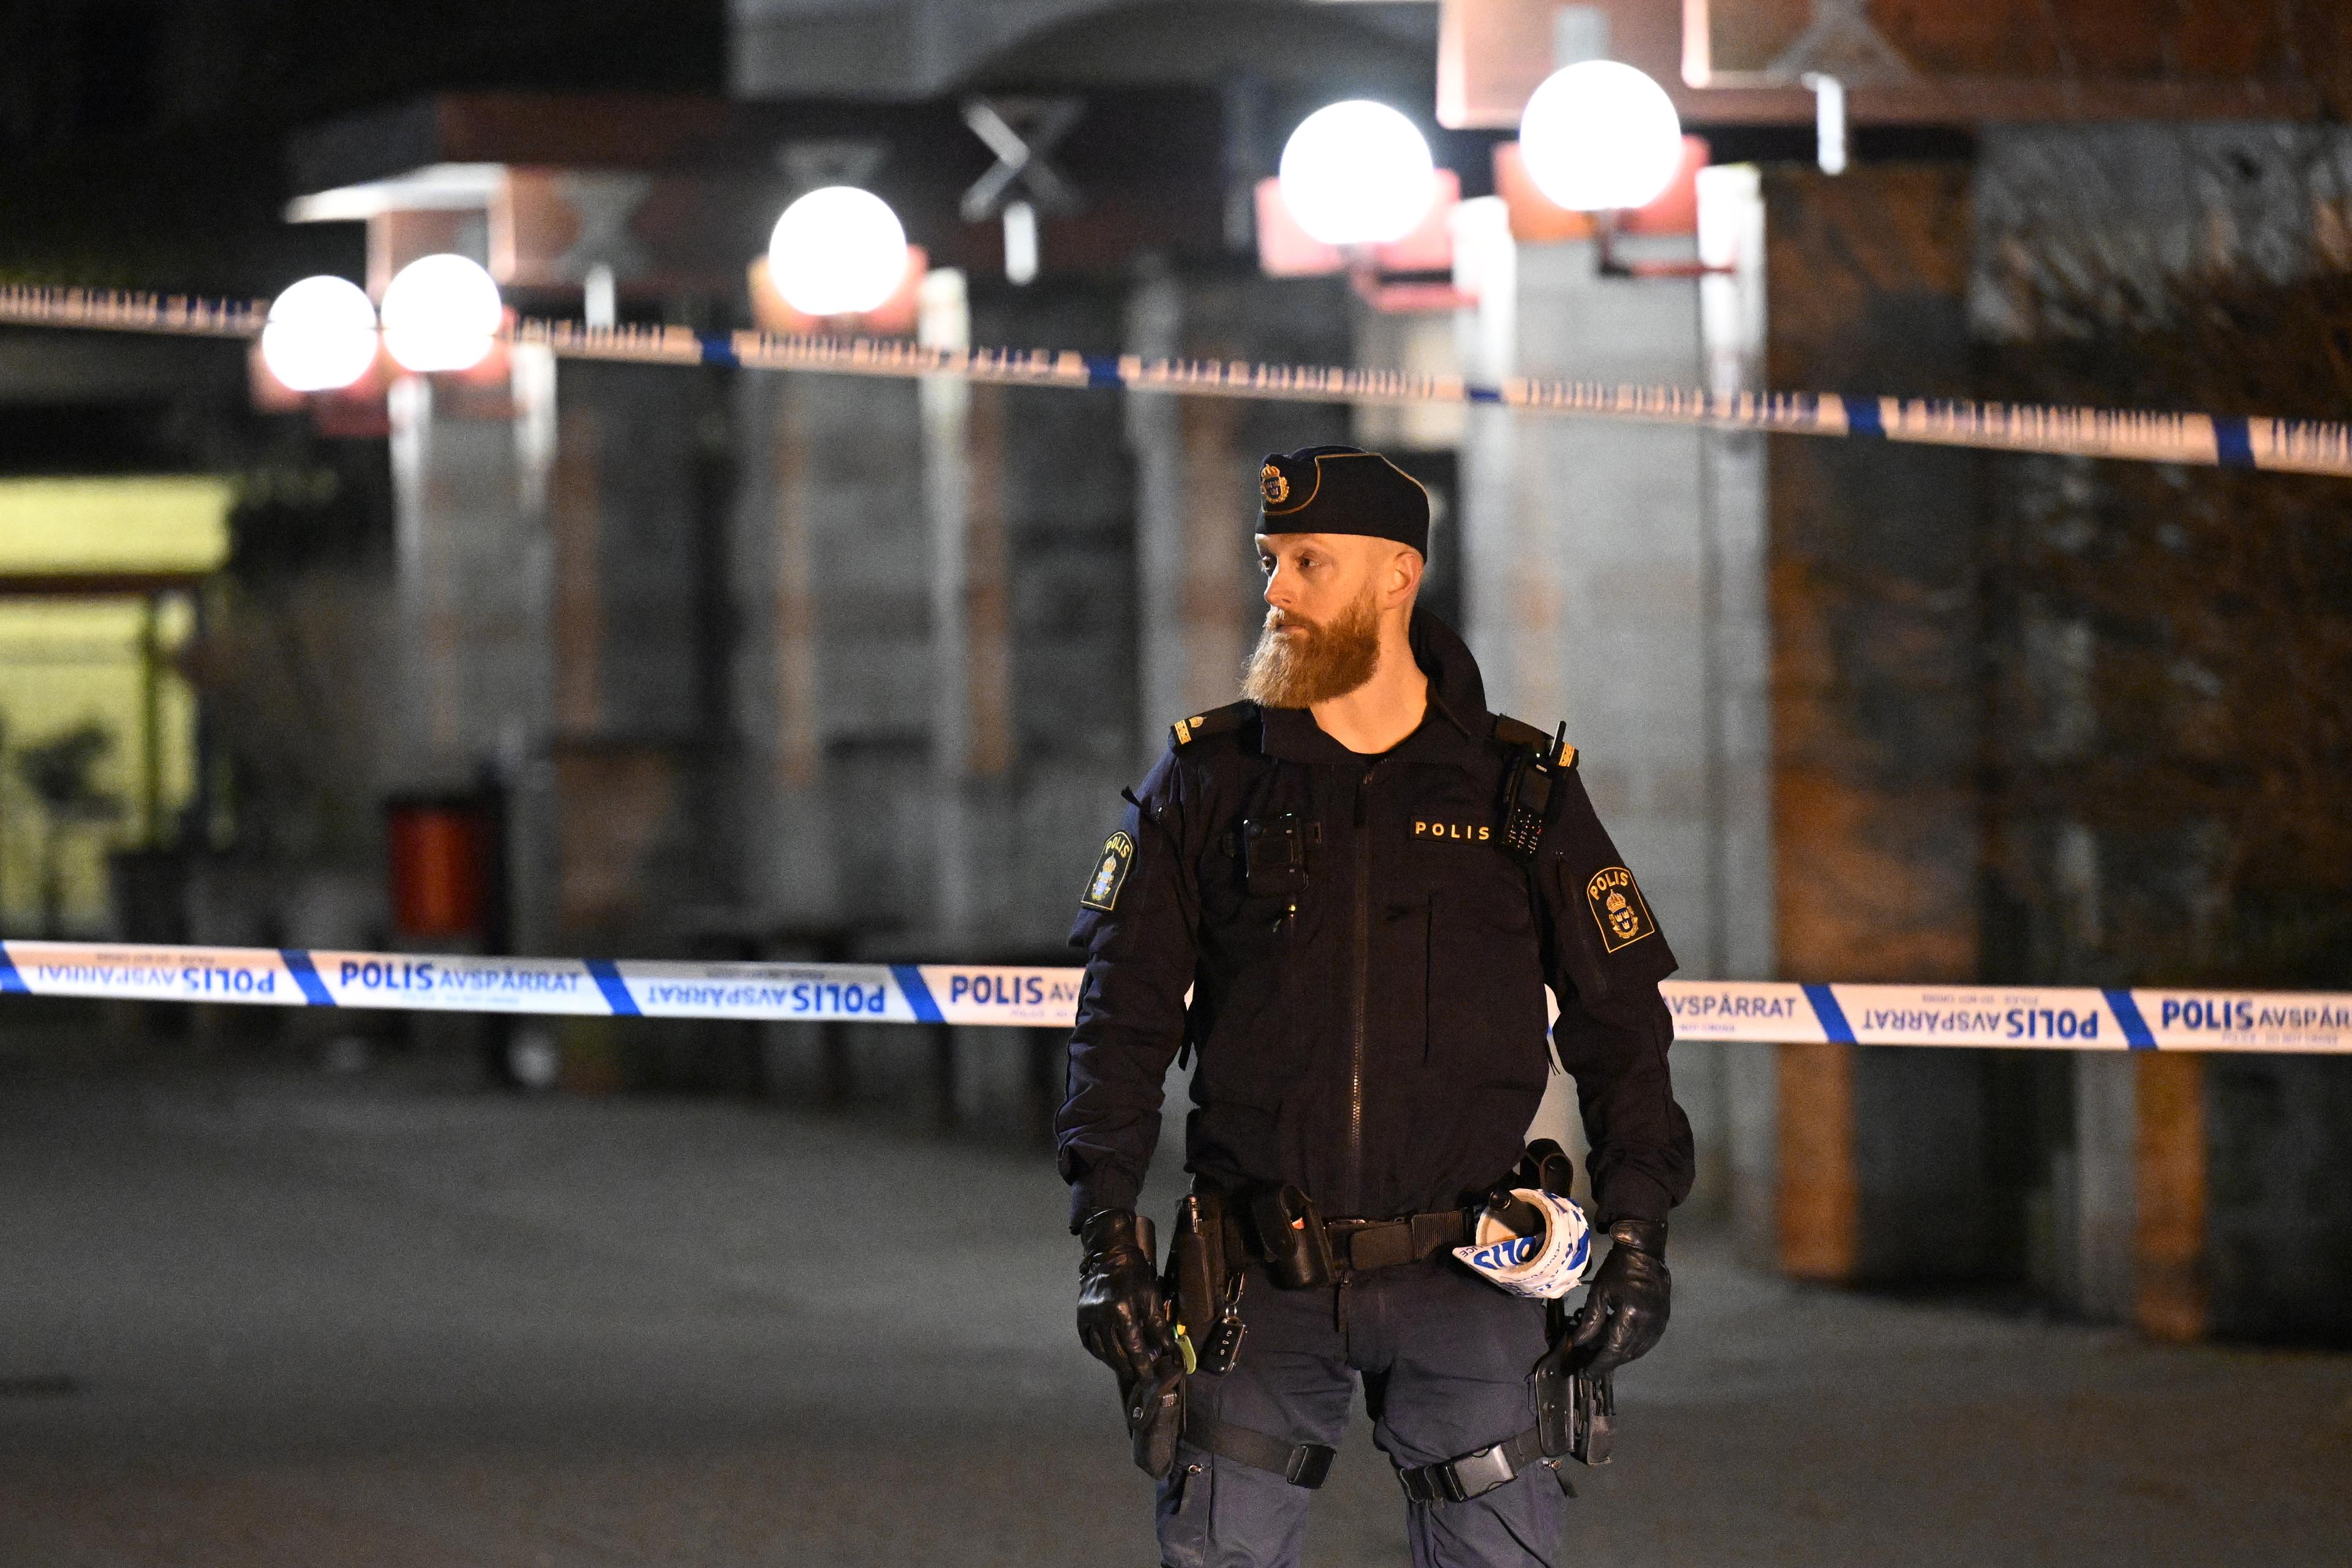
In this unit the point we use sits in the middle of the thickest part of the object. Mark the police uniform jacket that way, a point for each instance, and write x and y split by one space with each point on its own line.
1366 966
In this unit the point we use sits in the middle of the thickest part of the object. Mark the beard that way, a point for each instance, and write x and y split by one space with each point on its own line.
1315 663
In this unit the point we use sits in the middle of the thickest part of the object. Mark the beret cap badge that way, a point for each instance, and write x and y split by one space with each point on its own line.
1271 480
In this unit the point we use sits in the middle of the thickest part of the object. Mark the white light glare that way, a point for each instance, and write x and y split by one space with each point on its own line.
1828 120
1357 172
441 313
838 251
1599 135
320 335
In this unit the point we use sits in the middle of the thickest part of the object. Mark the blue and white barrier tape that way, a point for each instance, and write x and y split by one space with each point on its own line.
2057 1018
598 987
2042 1017
2209 440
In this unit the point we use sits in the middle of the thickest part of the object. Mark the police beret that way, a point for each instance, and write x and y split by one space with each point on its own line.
1342 490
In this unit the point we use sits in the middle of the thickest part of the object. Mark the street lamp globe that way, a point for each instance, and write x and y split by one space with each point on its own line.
319 335
1599 135
838 251
441 313
1357 172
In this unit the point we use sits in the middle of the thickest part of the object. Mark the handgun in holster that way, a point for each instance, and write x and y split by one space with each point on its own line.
1202 1289
1153 1403
1576 1411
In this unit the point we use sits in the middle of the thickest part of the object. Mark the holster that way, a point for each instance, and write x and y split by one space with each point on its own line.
1155 1418
1576 1412
1205 1265
1196 1262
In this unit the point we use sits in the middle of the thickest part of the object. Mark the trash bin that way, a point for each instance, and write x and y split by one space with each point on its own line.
443 853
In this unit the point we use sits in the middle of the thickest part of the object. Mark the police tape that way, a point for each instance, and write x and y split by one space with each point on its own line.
2052 1018
2209 440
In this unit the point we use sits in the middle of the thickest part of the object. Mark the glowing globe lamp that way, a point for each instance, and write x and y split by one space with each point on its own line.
838 251
441 313
1357 172
320 335
1599 135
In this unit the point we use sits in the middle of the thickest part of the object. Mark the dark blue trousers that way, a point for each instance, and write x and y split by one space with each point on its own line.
1445 1361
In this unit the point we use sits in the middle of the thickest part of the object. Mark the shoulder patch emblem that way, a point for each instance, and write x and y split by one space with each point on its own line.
1618 907
1110 872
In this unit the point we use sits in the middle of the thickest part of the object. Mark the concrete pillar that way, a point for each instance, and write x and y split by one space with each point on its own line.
789 874
1509 593
973 740
1606 626
2098 1268
472 576
469 464
1192 559
1496 585
628 629
834 674
1614 579
963 440
1735 526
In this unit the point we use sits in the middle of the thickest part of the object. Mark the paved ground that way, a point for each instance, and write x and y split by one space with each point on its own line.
299 1319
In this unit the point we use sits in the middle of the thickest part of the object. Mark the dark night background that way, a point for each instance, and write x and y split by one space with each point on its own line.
719 666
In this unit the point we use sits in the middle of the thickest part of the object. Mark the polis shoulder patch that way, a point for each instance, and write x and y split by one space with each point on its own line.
1110 873
1618 907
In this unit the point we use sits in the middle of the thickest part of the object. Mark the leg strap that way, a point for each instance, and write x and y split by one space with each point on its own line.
1473 1475
1300 1464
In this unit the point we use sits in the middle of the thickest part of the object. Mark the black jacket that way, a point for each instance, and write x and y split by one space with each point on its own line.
1369 1025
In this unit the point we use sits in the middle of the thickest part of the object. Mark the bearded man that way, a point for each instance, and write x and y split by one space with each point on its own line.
1347 894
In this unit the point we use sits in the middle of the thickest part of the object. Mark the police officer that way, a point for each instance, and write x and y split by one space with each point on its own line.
1346 894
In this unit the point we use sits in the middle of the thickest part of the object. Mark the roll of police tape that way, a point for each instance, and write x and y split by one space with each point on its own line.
1537 1246
2055 1018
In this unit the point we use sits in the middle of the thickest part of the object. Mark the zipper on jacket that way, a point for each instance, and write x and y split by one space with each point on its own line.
1362 978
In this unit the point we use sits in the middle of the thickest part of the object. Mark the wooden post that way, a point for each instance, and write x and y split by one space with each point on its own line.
1820 1197
2172 1291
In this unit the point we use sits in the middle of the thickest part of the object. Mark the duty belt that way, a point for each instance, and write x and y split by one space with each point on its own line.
1360 1245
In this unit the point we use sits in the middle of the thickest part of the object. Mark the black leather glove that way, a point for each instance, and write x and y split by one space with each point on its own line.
1625 1312
1120 1319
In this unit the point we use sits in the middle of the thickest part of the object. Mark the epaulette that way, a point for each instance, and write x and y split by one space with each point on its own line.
1215 721
1553 751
